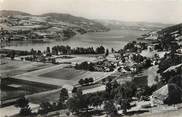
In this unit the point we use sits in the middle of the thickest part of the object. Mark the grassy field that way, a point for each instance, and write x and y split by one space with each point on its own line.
60 75
14 67
65 73
72 74
10 91
47 96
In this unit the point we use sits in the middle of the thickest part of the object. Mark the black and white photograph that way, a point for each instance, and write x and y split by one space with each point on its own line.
90 58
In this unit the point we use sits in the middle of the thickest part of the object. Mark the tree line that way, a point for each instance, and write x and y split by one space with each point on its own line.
79 50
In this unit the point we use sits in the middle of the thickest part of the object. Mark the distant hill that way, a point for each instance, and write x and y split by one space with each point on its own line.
65 17
12 13
24 26
88 24
174 29
116 24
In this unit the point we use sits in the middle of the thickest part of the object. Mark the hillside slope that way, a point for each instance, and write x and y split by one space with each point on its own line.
6 13
89 25
16 25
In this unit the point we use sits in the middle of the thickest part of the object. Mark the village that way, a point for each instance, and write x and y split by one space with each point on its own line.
143 77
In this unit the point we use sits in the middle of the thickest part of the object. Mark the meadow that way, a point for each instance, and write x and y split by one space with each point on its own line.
16 67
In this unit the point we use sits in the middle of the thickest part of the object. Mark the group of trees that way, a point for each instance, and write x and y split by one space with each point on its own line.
86 81
76 103
138 58
13 53
85 66
115 94
169 66
35 52
68 33
171 59
167 42
100 66
61 49
170 70
79 50
37 55
23 104
134 46
121 94
45 107
80 103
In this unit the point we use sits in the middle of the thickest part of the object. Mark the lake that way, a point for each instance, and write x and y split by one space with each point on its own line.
112 39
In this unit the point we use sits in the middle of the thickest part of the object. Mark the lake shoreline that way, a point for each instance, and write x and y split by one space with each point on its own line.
111 39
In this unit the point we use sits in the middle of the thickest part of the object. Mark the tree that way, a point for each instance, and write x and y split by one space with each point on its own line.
109 107
32 52
138 58
45 107
22 58
23 104
87 81
148 63
55 50
94 100
77 103
131 47
168 42
48 51
124 103
108 90
81 82
74 90
112 50
12 55
73 104
123 95
169 60
107 52
53 61
91 80
39 52
63 96
100 50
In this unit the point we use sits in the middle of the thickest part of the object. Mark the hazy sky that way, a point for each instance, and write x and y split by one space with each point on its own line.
166 11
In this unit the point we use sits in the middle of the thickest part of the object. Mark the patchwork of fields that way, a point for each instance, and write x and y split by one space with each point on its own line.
60 76
47 74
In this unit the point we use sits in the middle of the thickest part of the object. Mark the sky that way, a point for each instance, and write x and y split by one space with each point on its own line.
164 11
